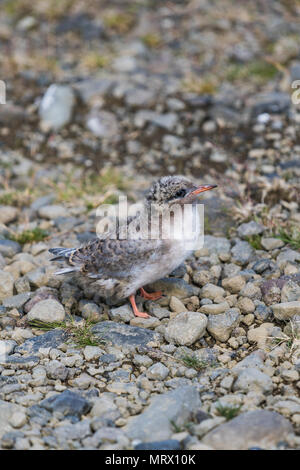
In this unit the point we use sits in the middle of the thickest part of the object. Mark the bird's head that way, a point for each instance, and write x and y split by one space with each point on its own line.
178 189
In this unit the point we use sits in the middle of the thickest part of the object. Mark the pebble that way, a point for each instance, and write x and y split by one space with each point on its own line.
260 428
48 310
186 328
57 106
158 371
211 291
286 310
6 285
220 326
234 284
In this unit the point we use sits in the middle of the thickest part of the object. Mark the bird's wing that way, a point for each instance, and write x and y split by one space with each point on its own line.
111 257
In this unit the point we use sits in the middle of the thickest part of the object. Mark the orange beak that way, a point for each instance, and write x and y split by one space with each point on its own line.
202 188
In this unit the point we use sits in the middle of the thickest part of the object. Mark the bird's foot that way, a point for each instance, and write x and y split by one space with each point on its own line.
136 310
152 296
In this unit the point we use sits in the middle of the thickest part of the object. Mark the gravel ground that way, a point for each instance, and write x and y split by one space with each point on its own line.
103 97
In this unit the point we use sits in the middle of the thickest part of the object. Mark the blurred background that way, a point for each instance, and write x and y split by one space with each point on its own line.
102 96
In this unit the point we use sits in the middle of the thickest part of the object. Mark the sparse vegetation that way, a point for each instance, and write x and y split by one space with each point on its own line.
193 362
152 40
255 242
29 236
119 22
80 332
228 412
291 236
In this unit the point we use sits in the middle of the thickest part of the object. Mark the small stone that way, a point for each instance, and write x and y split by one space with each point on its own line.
176 305
52 212
270 244
9 248
56 370
246 305
92 352
90 311
290 292
150 322
68 403
220 326
290 375
18 419
242 253
286 310
249 229
123 313
251 379
103 124
8 214
57 106
234 284
174 407
16 301
48 310
186 328
261 428
210 291
158 371
6 285
214 309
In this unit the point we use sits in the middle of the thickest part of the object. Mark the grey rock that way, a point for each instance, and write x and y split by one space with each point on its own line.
124 336
271 243
272 102
48 310
220 326
263 264
261 428
158 371
17 301
103 124
290 291
186 328
90 311
249 229
167 121
169 444
52 211
68 433
175 406
67 403
7 347
40 294
51 339
8 214
95 87
262 312
42 201
123 313
216 244
286 310
242 253
140 97
57 106
6 411
252 379
6 285
9 248
156 310
56 370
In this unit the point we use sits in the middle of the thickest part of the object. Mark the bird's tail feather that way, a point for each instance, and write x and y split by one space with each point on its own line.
61 253
65 271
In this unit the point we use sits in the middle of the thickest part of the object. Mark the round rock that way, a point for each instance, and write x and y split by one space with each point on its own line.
48 310
186 328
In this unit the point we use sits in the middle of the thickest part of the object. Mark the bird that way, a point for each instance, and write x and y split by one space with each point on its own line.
121 267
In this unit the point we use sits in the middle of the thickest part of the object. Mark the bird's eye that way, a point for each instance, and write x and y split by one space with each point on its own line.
180 193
